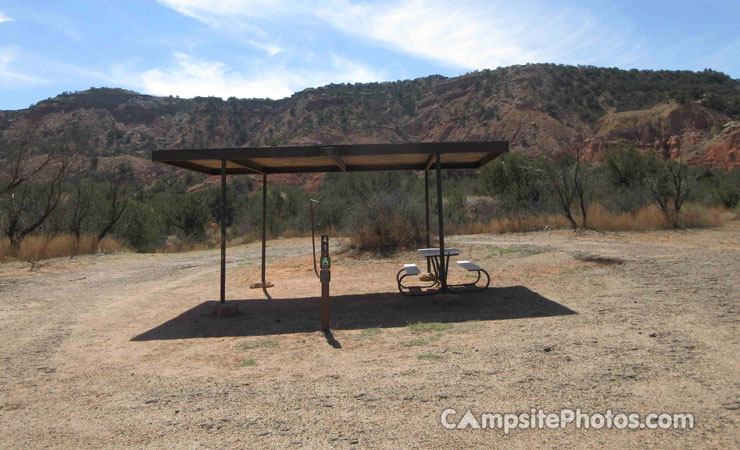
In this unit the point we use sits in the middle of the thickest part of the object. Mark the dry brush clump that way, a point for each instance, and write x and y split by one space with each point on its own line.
652 218
36 247
386 231
385 223
648 218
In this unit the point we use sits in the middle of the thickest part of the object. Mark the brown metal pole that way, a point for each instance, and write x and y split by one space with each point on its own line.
442 265
426 202
325 311
264 225
223 231
325 278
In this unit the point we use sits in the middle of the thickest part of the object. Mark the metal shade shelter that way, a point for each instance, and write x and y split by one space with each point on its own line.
333 158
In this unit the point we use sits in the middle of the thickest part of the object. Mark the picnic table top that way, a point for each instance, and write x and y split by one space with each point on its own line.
427 252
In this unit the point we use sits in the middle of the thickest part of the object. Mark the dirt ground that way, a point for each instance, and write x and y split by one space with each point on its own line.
121 350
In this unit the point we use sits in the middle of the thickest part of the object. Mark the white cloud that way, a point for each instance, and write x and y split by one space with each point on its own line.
472 34
4 18
12 78
206 11
271 48
190 77
475 34
347 71
433 30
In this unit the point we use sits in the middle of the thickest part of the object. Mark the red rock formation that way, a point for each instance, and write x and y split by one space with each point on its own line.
671 130
724 151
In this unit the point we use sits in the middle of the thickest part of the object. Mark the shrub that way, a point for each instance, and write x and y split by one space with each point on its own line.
379 211
189 216
513 181
624 190
386 223
142 229
720 188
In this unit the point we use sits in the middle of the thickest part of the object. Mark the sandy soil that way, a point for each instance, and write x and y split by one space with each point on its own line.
121 350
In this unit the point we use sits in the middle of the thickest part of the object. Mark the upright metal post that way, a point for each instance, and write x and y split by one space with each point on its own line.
313 240
325 278
442 265
264 225
223 231
426 202
325 308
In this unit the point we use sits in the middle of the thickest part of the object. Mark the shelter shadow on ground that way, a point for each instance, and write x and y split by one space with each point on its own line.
350 312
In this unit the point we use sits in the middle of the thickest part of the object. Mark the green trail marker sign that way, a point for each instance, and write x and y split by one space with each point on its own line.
325 262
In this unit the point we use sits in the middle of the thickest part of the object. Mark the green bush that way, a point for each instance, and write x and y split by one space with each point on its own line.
377 210
721 188
142 228
624 172
189 215
214 205
512 180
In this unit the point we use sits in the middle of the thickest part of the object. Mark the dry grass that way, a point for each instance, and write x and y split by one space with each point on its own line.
42 247
647 219
395 233
517 224
696 216
651 218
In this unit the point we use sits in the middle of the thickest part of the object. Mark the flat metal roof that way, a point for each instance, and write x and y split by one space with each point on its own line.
334 158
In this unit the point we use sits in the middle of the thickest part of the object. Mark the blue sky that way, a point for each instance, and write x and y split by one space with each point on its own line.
263 48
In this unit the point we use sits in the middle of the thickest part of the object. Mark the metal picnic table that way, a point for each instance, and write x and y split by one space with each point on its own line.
433 259
439 266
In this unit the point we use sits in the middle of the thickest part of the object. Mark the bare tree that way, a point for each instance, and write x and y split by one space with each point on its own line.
21 168
31 190
81 208
568 178
670 184
114 201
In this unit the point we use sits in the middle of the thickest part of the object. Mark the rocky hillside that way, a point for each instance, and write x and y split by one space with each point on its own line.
538 108
700 135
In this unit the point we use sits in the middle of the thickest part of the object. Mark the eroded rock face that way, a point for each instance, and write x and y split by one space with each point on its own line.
658 123
724 151
671 130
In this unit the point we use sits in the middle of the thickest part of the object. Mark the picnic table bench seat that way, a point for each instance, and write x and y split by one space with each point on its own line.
473 286
412 270
467 265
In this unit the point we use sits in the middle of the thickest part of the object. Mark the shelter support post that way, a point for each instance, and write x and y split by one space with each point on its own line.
325 278
223 231
264 226
426 203
325 308
442 264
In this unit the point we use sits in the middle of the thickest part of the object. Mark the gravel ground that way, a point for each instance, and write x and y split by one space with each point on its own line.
122 350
